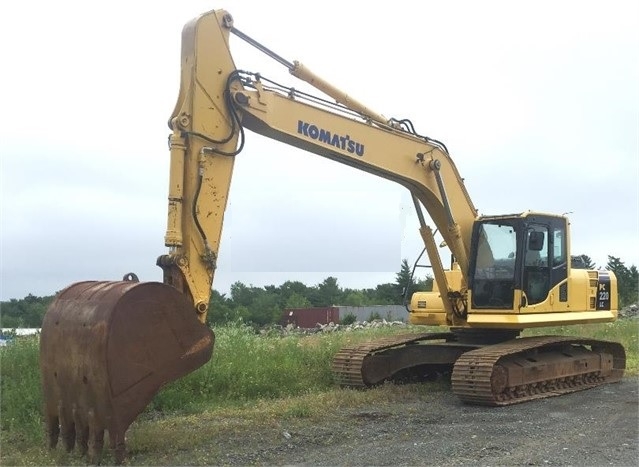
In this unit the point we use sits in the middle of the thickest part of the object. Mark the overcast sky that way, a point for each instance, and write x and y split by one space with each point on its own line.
538 103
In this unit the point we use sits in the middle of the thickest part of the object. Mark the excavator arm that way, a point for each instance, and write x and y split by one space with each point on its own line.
203 145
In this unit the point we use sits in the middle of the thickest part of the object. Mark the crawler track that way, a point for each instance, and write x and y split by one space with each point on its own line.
510 372
348 363
535 367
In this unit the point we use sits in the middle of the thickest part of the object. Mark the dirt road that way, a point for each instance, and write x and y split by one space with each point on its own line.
596 427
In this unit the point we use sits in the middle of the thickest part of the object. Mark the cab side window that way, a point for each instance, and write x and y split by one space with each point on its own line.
559 247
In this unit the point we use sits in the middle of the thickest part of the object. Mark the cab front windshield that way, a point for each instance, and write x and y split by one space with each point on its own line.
494 274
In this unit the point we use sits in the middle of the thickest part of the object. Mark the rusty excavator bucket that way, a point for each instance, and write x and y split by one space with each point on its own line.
106 348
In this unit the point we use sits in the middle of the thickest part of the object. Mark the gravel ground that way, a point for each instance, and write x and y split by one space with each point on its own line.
589 428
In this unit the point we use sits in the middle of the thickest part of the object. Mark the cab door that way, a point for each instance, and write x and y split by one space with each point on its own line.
545 264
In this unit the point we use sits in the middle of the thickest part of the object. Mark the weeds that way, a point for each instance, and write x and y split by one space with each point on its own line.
21 393
247 367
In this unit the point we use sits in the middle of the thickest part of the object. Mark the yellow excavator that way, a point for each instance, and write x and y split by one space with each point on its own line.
108 347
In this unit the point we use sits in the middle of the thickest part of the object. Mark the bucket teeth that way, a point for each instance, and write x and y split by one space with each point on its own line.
78 431
106 348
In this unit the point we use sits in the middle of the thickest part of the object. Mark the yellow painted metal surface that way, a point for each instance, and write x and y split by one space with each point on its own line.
204 128
499 319
201 125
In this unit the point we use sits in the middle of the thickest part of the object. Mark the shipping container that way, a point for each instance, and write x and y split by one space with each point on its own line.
310 317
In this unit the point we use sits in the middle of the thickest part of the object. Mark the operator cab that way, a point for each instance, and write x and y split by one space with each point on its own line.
525 251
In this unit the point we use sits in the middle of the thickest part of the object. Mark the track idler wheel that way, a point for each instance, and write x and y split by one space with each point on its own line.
106 348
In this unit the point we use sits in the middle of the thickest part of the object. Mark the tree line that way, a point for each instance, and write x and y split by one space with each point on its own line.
256 305
265 305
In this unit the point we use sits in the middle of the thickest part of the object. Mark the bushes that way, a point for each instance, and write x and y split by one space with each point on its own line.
246 366
349 318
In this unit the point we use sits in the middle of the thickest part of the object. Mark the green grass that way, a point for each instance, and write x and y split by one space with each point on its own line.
247 367
20 391
251 379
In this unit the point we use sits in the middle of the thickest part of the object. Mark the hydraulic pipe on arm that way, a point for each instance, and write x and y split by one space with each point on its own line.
300 71
428 173
353 134
204 140
215 103
384 151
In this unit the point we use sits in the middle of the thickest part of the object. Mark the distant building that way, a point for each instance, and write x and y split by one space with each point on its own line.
310 317
7 334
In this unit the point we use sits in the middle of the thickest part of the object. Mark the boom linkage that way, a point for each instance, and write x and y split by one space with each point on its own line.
317 125
217 101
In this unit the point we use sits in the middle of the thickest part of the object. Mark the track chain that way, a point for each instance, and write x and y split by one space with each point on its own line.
473 373
348 362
